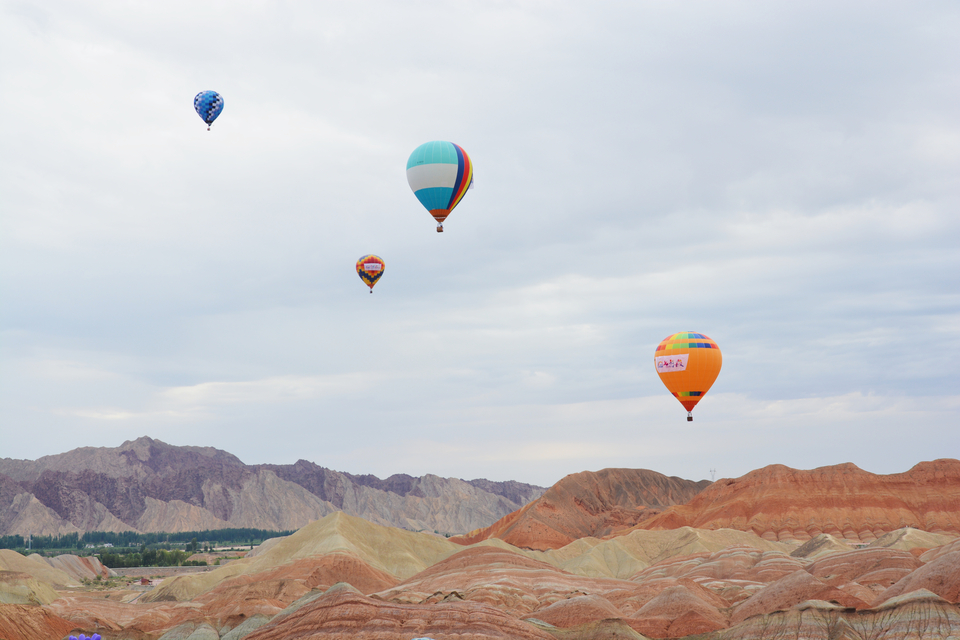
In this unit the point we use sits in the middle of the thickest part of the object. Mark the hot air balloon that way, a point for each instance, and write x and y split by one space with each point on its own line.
688 364
370 268
208 104
439 174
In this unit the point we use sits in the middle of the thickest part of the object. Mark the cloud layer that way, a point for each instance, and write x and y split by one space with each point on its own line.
781 178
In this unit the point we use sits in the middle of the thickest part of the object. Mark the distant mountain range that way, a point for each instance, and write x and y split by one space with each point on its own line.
147 485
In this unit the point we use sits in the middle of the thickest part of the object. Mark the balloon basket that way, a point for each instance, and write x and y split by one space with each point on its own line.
689 416
439 228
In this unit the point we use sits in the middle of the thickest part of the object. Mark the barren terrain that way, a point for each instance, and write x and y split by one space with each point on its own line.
866 557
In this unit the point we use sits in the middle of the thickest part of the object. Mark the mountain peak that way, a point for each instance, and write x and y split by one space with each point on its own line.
588 504
146 484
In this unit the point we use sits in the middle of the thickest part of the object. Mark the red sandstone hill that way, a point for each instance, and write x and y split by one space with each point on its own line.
343 612
780 503
588 504
22 622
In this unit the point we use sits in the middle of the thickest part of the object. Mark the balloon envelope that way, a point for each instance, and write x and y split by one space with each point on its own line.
208 104
370 268
688 363
439 173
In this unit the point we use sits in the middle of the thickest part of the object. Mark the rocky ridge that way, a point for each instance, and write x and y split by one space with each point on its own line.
588 504
147 485
844 501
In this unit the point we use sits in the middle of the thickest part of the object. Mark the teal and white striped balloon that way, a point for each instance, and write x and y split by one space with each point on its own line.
439 173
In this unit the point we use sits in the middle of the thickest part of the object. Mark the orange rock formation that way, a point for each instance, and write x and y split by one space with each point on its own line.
502 578
343 612
22 622
588 504
940 576
780 503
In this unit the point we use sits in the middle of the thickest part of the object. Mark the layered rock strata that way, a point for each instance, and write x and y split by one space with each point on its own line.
780 503
588 504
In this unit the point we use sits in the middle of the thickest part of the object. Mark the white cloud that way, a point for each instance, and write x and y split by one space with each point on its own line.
271 390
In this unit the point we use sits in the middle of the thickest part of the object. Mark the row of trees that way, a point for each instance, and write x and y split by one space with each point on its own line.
66 541
216 537
147 557
213 537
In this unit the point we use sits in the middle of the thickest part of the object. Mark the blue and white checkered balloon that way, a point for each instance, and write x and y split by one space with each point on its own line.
208 104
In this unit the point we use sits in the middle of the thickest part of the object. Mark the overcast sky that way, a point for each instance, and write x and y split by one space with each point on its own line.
782 177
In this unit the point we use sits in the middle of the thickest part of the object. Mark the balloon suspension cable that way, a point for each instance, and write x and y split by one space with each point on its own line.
689 416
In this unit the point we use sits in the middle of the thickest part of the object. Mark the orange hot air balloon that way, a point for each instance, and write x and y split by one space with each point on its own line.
688 363
370 268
